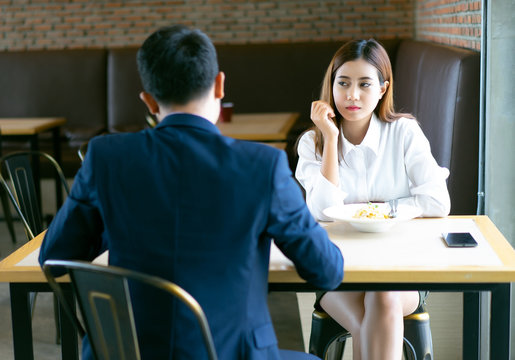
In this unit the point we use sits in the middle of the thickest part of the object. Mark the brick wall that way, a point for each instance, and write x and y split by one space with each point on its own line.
58 24
452 22
46 24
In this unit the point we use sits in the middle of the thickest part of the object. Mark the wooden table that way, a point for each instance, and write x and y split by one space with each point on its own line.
413 257
423 263
29 126
264 127
28 129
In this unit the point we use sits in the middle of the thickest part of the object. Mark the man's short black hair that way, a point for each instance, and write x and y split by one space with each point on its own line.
177 64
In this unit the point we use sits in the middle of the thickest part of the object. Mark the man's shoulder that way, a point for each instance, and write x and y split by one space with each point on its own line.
114 137
114 147
258 151
116 140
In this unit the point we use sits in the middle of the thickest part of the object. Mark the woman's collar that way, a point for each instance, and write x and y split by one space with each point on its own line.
371 139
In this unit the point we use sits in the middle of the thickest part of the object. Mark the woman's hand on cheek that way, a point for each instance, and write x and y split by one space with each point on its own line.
322 116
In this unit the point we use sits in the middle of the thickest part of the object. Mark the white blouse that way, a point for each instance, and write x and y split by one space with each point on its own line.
393 161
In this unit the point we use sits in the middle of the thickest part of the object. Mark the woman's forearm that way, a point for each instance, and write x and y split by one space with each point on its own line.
329 167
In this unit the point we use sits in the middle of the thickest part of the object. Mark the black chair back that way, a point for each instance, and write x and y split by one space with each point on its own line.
106 307
23 191
105 304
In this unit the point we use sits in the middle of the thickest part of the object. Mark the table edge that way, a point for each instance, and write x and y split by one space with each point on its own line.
9 272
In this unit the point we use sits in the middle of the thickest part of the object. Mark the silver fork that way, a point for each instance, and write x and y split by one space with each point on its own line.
393 208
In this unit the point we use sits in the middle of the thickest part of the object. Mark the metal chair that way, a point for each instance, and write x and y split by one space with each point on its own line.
151 121
22 192
328 338
82 150
7 214
25 199
102 293
5 206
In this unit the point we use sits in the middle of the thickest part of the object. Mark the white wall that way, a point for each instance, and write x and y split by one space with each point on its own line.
500 117
500 124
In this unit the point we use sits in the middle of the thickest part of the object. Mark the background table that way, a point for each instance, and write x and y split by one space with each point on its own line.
28 129
262 127
29 126
375 272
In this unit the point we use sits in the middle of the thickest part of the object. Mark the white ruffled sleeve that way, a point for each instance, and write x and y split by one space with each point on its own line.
428 180
320 192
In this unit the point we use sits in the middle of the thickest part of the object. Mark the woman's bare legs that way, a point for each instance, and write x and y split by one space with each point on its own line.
375 320
348 309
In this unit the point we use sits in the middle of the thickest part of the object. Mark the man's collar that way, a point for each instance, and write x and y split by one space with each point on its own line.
188 120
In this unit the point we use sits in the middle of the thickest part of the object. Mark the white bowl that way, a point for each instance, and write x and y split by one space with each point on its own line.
346 213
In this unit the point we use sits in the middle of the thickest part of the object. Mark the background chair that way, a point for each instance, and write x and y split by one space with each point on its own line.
5 206
111 329
7 214
23 188
151 121
83 148
328 338
26 200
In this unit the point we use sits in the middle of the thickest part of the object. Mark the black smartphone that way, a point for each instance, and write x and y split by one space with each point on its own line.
459 239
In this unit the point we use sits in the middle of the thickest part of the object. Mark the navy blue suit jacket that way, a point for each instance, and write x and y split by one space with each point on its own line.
185 203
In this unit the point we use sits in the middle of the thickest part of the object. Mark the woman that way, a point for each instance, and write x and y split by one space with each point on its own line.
361 150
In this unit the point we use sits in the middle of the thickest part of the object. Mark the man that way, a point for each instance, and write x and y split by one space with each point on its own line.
185 203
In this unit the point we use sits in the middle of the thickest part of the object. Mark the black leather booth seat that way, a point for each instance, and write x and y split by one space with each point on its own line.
440 86
97 90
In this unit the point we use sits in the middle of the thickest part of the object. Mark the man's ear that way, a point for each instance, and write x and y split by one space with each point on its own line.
150 102
219 85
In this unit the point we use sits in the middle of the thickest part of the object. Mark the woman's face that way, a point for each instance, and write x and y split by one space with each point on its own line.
356 90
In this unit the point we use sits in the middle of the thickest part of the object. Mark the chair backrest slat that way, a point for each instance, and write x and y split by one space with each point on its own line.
106 306
20 172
